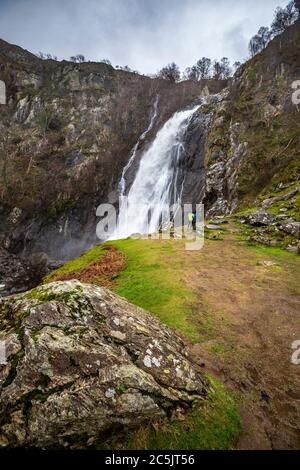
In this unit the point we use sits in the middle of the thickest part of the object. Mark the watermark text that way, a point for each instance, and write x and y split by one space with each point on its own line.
155 222
2 92
296 94
295 359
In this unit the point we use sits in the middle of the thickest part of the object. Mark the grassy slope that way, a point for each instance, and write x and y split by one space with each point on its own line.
200 295
160 276
155 279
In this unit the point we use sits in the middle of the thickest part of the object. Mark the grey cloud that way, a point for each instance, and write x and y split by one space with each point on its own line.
145 34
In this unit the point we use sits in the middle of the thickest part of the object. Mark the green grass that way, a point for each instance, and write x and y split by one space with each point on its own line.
213 425
288 264
154 280
292 205
219 349
275 253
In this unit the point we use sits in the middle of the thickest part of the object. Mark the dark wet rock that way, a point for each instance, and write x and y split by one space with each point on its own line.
191 171
261 218
18 274
83 362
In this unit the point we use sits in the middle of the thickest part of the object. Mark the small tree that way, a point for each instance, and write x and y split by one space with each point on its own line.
171 72
255 45
126 68
226 69
79 58
199 71
260 40
284 17
236 65
203 66
191 73
265 36
43 56
217 70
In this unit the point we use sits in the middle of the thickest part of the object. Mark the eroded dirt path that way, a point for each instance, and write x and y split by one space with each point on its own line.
249 316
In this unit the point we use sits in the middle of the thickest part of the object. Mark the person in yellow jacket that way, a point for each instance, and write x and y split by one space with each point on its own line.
190 219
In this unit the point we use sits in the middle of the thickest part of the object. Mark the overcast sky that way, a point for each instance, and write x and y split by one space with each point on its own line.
144 34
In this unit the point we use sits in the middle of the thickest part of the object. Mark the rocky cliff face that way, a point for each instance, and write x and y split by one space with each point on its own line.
67 131
253 141
83 363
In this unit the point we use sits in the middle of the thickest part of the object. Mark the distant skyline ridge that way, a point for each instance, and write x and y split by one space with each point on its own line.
141 34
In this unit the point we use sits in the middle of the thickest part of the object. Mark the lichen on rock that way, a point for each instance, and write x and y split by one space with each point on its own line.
82 362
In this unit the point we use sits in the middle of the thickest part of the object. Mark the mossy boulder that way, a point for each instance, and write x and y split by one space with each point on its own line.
82 364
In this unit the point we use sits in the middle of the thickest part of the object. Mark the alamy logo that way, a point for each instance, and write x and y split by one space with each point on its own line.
3 358
144 222
295 359
296 94
2 92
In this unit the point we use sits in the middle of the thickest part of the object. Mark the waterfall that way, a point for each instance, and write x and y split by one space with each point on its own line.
122 184
156 182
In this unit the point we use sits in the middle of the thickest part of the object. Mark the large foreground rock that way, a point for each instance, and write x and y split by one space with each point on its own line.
82 363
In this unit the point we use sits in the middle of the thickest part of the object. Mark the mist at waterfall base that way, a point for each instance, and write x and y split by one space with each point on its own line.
156 186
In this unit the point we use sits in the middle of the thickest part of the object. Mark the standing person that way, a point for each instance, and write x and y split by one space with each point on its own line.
190 219
194 223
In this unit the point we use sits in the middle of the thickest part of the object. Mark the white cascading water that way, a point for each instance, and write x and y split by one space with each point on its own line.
122 184
154 186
